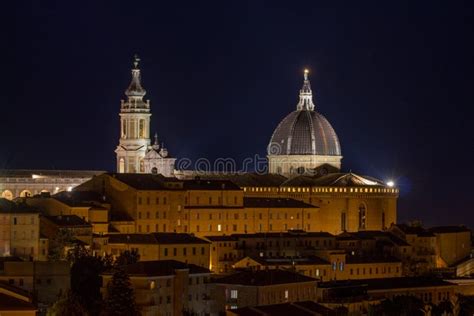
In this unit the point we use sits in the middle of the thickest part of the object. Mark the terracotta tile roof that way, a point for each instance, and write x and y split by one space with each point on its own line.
156 238
257 202
264 278
68 221
448 229
160 268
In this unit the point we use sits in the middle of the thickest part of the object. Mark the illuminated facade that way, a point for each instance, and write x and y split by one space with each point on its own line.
211 207
26 183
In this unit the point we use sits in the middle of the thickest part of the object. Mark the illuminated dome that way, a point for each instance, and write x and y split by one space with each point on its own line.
304 139
304 132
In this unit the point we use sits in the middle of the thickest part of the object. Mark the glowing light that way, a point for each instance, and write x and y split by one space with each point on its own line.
69 189
306 71
57 189
391 183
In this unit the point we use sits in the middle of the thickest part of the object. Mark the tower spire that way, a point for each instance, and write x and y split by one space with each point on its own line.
135 89
306 95
156 145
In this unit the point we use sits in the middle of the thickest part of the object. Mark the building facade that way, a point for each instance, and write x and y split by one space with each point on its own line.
19 230
27 183
167 287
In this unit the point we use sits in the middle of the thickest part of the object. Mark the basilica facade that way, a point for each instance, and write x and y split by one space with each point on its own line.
304 188
304 166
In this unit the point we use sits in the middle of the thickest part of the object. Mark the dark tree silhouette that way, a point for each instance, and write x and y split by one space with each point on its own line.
86 281
120 298
127 257
68 304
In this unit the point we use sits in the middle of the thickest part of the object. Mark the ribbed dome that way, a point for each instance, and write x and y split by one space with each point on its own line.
304 132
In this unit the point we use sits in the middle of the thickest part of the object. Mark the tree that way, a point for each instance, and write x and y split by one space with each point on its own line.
120 298
68 304
127 257
86 281
79 251
466 305
405 305
58 244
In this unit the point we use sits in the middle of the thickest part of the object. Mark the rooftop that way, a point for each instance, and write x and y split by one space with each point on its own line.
296 308
155 238
221 238
160 268
270 261
264 278
414 230
68 221
10 303
7 206
371 259
334 180
448 229
257 202
81 198
382 284
160 182
290 233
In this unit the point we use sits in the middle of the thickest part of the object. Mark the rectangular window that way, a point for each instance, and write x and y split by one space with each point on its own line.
148 200
219 227
139 200
184 251
175 252
202 250
164 200
234 227
194 251
234 294
165 252
286 294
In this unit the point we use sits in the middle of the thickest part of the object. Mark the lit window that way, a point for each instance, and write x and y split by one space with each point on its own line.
286 294
233 294
219 227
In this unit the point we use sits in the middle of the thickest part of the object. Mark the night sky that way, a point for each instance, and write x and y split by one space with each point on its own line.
395 79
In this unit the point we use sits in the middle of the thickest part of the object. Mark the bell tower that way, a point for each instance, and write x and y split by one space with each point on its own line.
134 126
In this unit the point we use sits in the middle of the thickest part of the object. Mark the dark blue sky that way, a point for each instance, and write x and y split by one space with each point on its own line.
395 79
